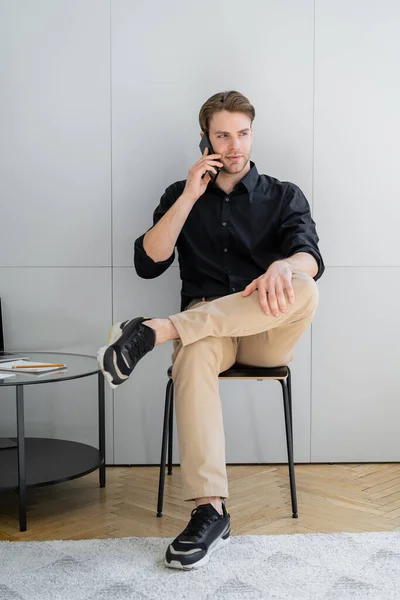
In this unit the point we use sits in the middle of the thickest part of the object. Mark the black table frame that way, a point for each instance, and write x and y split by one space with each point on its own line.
21 455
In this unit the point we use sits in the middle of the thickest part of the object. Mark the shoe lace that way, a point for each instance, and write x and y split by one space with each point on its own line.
197 522
136 343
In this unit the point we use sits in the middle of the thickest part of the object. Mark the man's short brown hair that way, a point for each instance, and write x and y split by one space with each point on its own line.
231 101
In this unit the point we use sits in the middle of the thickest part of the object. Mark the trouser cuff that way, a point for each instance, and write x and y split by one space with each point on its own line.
190 495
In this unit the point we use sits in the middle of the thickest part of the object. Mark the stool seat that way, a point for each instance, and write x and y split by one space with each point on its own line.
238 371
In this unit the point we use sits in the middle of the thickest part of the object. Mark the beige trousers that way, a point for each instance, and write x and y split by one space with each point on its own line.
213 336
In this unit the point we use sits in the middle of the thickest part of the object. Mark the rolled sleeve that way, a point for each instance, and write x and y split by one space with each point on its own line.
297 232
145 266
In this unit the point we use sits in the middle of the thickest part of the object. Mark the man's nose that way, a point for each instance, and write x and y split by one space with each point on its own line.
235 143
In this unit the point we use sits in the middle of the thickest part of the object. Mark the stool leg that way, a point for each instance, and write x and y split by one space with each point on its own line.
21 457
289 441
168 396
171 433
289 387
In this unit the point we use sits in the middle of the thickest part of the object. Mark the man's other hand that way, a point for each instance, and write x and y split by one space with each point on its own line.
271 288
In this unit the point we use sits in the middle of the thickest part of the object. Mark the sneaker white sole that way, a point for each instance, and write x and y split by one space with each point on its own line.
115 332
218 545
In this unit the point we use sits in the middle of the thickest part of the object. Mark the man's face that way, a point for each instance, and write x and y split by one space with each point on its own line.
231 135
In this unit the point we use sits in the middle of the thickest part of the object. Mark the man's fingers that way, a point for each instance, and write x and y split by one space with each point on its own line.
211 169
272 297
213 162
262 298
280 296
209 165
250 288
210 157
290 292
271 294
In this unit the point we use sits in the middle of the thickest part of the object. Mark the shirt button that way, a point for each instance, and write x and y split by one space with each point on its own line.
226 199
224 223
233 289
225 249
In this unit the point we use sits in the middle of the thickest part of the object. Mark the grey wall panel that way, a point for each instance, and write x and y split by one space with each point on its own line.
356 381
55 133
357 127
60 309
164 67
65 309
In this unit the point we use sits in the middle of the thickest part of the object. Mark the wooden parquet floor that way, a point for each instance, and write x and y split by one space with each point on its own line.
331 498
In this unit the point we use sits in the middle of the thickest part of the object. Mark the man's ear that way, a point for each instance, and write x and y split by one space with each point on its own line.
201 133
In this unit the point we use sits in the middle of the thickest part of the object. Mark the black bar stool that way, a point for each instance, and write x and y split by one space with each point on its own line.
237 371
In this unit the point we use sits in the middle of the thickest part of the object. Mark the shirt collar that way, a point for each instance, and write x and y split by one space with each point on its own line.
249 180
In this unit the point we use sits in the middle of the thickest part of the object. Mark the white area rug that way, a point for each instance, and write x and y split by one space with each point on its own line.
341 566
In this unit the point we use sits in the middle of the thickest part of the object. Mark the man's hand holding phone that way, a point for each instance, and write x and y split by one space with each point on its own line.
200 174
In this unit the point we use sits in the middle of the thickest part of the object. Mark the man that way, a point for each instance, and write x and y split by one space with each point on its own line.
249 259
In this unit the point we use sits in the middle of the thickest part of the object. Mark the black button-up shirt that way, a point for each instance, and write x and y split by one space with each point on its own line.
230 239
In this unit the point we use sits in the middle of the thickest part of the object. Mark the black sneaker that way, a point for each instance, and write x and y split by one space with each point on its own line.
206 532
128 343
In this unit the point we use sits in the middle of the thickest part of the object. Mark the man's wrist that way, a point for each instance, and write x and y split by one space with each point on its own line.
303 262
187 198
285 261
288 262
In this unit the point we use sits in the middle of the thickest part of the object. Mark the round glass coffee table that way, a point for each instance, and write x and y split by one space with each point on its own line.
26 462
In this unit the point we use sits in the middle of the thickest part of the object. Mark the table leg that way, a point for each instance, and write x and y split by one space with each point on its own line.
102 430
21 458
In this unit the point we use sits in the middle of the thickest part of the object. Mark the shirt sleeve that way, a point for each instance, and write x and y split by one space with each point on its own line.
297 232
145 266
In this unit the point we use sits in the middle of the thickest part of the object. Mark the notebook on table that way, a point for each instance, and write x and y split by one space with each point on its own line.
25 366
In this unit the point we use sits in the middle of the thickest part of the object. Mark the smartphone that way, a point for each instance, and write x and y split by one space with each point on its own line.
205 143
